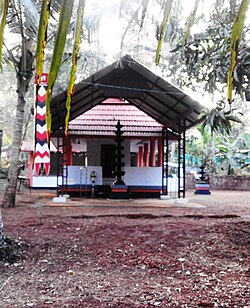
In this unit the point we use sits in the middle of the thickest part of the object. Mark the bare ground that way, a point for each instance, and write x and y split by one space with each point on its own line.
139 253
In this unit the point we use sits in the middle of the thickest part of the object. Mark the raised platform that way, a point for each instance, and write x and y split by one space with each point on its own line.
202 188
119 192
104 191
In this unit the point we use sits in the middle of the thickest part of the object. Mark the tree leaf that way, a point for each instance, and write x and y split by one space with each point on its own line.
234 118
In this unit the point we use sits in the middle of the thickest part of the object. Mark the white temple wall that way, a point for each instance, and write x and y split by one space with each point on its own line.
94 151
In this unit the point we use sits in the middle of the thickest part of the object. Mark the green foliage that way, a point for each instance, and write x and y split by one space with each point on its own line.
206 55
205 59
233 153
221 154
219 119
242 71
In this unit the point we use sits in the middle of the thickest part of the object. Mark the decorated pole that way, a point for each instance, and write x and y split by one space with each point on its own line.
42 153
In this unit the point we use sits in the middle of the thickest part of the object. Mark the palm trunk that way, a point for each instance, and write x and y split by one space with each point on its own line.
10 192
1 230
24 75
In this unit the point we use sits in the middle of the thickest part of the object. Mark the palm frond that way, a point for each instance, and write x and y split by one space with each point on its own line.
25 10
237 29
63 25
78 30
163 28
130 24
32 16
92 19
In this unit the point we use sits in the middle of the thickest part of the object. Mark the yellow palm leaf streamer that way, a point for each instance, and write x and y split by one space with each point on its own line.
42 38
78 31
190 22
237 29
3 14
63 26
163 28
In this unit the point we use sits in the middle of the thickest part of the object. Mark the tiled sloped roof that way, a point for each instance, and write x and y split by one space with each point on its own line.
101 120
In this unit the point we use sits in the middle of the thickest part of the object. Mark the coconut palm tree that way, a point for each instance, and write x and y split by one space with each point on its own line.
24 17
22 57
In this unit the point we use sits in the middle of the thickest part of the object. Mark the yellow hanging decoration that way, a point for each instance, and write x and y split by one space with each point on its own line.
63 26
42 38
3 14
190 22
237 30
163 28
78 30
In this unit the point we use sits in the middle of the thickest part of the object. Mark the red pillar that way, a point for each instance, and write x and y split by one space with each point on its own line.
152 153
160 153
30 167
140 157
145 155
67 152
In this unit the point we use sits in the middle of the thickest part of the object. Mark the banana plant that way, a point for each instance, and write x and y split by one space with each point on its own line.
233 153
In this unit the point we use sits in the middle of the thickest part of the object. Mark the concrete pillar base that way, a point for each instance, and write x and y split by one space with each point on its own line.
61 199
164 197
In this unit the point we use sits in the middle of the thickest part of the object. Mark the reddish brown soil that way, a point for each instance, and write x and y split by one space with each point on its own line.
142 253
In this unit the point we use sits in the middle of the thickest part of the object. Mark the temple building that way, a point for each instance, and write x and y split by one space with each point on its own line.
152 114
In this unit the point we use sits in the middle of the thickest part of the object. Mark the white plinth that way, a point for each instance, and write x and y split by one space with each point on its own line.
164 197
61 199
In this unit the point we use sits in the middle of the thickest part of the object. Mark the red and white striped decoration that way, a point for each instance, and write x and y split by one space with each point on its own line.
42 153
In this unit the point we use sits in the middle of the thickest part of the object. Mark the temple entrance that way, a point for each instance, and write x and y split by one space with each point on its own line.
108 160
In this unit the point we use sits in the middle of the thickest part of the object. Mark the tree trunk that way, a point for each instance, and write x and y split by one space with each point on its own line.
10 192
1 230
24 75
